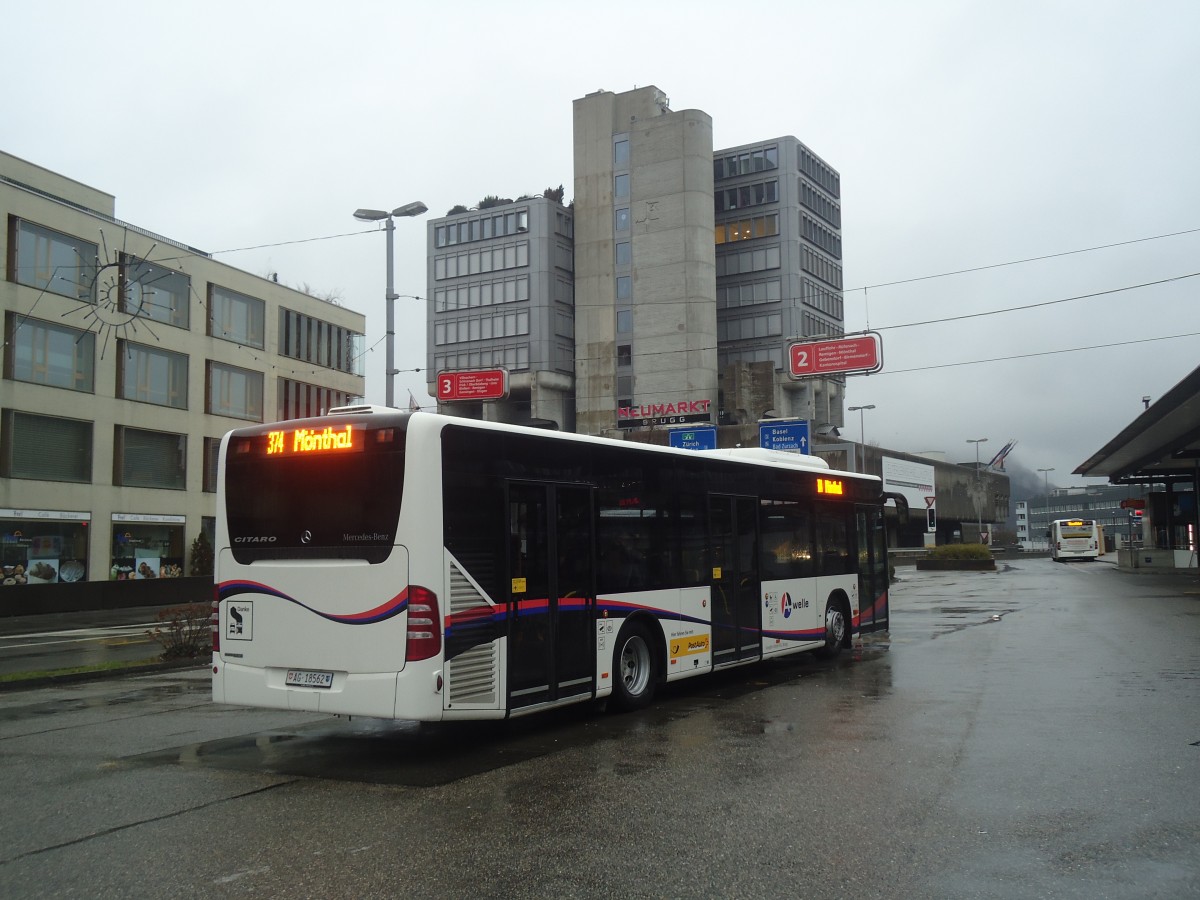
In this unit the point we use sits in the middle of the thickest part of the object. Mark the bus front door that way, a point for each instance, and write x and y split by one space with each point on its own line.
551 600
736 612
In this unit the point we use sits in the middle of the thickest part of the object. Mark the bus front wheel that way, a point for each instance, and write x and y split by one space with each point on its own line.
633 668
835 630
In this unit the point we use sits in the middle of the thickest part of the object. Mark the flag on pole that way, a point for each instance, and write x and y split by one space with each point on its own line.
413 406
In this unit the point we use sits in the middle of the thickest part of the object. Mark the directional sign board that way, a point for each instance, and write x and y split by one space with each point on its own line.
703 438
784 435
860 354
480 384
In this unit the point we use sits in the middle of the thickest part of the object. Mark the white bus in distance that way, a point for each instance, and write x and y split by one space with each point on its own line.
415 566
1075 539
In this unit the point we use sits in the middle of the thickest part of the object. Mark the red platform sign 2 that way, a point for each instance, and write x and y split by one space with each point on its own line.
861 354
480 384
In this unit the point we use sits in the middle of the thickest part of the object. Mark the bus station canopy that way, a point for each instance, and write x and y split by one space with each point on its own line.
1160 445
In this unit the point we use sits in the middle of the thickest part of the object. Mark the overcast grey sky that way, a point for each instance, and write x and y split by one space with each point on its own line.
966 135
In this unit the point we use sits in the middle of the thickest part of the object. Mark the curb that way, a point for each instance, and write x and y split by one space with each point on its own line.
50 680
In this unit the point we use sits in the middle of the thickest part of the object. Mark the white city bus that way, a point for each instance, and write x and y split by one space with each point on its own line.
415 566
1075 539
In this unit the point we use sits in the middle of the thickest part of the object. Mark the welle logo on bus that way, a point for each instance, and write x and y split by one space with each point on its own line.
304 441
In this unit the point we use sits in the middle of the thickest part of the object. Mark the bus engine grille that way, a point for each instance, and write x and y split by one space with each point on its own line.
472 677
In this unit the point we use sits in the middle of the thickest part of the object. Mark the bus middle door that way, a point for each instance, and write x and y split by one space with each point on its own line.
551 646
736 611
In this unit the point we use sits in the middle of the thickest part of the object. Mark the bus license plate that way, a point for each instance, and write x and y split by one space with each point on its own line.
305 678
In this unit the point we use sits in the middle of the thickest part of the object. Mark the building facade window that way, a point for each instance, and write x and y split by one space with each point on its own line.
49 260
621 219
236 317
151 375
745 162
481 228
818 172
621 187
481 327
821 236
624 253
820 204
234 392
156 293
151 459
476 262
48 353
745 229
45 448
482 293
298 400
734 295
738 262
313 340
745 195
621 153
212 453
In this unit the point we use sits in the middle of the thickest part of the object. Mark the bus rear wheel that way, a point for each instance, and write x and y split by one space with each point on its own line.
633 668
835 630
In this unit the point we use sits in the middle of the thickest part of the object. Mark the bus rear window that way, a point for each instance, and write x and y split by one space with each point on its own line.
319 505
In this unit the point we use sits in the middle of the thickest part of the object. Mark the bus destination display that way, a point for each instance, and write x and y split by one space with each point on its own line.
304 441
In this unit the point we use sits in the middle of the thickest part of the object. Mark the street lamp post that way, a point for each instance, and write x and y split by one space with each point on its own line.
978 486
862 435
415 208
1046 473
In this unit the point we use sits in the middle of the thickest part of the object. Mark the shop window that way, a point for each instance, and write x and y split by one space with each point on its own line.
146 547
35 550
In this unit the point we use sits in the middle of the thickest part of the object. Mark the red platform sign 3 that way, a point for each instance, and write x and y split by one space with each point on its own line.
861 354
480 384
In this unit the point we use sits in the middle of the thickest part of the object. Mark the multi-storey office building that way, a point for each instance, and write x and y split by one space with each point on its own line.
778 220
501 296
127 356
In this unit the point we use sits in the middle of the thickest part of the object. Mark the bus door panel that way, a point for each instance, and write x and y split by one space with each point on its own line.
872 570
733 539
551 597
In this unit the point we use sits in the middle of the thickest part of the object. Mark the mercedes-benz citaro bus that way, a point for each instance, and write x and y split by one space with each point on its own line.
416 566
1075 539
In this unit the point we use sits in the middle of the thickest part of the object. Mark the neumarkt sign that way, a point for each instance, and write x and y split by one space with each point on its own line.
677 413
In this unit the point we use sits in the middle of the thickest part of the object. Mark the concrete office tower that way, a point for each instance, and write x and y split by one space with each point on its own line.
500 297
645 303
777 208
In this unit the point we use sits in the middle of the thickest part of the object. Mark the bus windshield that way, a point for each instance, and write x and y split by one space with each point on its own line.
314 505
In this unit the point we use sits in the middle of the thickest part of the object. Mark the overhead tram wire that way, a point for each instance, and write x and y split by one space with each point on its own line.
974 362
1017 262
1008 309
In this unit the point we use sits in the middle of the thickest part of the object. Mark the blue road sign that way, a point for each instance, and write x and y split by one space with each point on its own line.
702 438
784 435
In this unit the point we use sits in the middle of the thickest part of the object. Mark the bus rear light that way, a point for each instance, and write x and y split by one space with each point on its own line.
216 621
424 625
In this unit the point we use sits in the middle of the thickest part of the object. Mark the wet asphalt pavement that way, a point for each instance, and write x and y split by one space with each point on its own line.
1033 732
